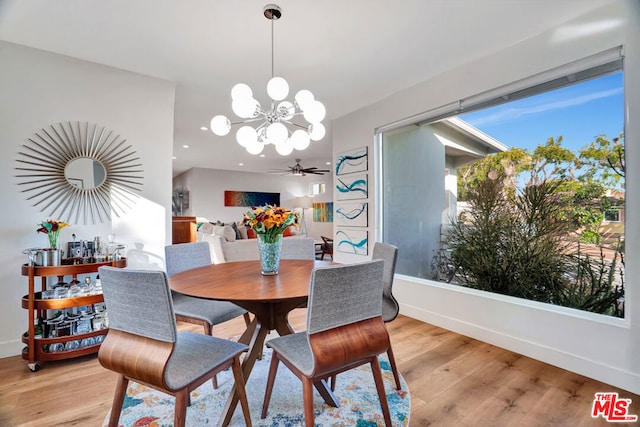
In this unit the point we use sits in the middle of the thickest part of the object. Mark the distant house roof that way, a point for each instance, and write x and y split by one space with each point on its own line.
461 126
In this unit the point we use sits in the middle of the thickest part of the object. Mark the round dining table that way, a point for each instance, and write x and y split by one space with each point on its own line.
269 298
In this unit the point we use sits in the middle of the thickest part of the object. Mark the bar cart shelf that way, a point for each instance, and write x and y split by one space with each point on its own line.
34 352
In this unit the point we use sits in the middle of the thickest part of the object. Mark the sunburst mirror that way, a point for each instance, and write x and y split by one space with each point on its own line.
79 172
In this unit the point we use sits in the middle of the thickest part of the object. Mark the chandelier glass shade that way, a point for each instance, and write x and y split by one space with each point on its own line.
280 122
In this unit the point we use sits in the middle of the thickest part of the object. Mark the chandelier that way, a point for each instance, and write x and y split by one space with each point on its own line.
279 123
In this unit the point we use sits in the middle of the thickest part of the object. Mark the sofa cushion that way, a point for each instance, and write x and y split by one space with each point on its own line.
242 229
229 233
235 228
206 228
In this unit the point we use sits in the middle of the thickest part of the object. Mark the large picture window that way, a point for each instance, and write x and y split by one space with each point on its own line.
519 191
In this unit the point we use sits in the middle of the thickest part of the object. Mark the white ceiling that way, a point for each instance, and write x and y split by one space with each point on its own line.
348 53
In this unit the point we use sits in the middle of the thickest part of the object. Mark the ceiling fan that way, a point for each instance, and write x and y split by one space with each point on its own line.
298 170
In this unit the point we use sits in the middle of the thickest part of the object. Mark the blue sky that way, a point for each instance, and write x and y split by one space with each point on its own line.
579 113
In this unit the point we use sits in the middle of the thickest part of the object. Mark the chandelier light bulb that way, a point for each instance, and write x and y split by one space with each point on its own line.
285 147
241 91
255 148
245 108
220 125
317 131
286 110
315 112
246 136
278 88
300 139
303 98
277 133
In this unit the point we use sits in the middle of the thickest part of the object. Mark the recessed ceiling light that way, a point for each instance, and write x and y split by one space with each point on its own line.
204 128
185 146
174 157
328 163
240 164
261 155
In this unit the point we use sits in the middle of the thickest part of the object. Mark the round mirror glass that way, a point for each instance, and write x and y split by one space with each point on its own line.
85 173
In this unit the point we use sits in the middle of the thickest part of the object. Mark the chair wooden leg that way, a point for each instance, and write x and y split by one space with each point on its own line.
273 369
247 319
332 382
382 396
240 389
118 400
207 328
394 368
307 396
180 413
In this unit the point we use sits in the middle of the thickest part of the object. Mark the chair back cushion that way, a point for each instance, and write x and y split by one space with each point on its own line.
298 248
185 256
139 302
344 294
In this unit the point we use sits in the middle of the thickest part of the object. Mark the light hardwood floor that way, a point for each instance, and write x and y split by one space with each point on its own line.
454 381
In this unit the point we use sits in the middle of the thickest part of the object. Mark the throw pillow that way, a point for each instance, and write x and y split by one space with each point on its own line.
235 228
229 233
243 231
251 234
206 228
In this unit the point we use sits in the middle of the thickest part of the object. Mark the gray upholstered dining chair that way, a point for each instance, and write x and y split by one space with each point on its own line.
298 248
185 256
390 307
344 330
144 345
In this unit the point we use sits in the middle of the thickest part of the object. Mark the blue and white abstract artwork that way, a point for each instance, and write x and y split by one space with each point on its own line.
352 161
352 241
352 187
352 214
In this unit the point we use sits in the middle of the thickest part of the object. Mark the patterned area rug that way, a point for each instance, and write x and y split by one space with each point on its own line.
355 389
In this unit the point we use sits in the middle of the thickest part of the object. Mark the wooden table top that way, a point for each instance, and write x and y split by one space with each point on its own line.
243 281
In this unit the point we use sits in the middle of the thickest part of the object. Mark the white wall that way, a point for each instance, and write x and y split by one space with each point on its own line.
207 186
39 89
596 346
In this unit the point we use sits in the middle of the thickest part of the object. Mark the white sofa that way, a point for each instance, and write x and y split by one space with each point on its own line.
247 249
221 249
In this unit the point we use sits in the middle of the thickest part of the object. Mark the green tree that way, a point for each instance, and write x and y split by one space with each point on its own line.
603 159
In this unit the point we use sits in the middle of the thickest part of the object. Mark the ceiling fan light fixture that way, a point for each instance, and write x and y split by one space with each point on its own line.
276 124
299 170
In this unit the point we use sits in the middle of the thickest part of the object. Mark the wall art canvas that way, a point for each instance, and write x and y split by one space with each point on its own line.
352 241
352 161
323 212
352 214
250 198
352 187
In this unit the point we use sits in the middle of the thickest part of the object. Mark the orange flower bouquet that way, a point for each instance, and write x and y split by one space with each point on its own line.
270 221
52 229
